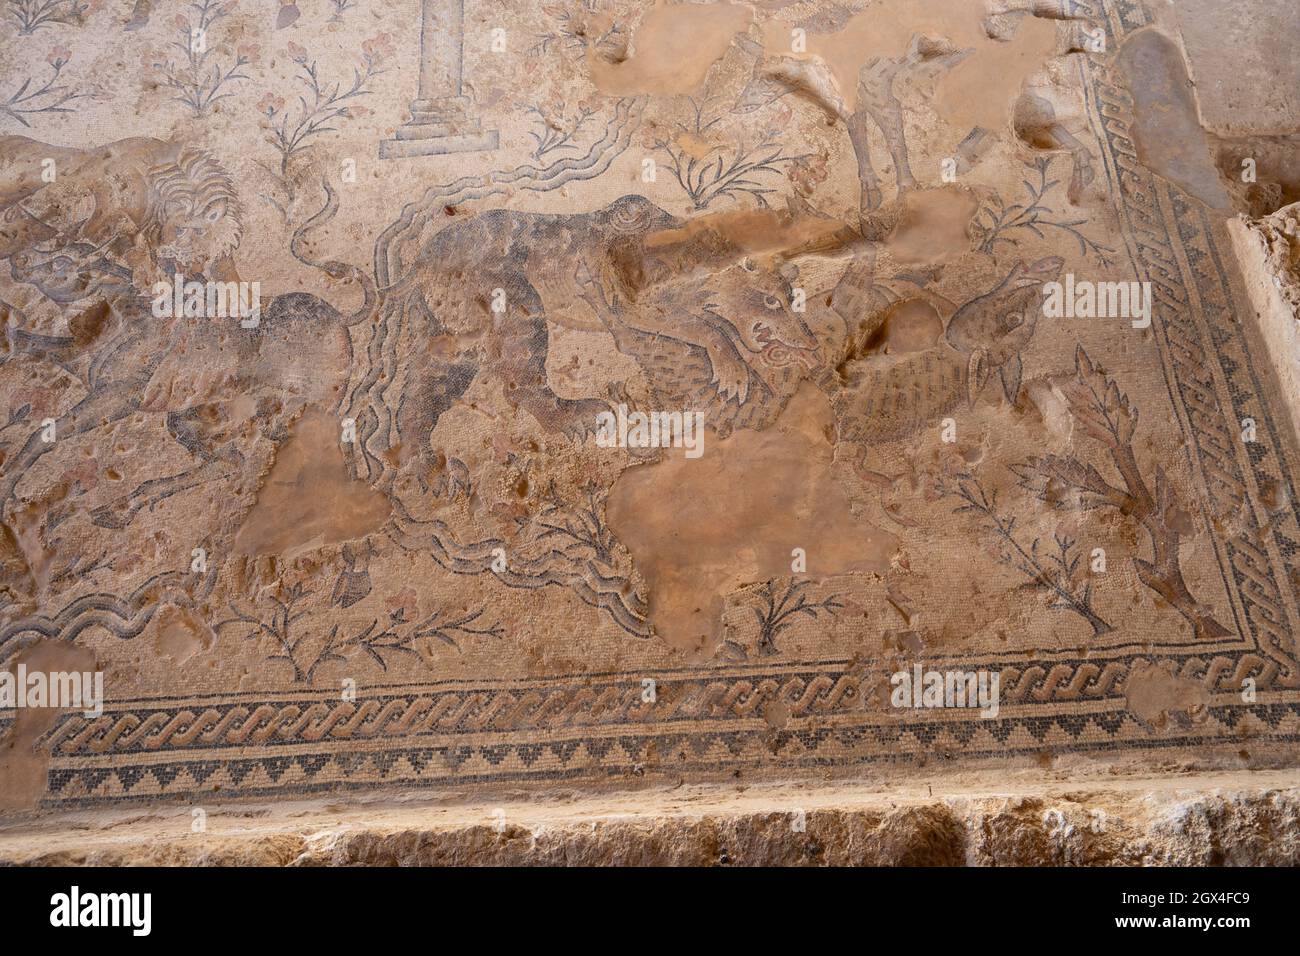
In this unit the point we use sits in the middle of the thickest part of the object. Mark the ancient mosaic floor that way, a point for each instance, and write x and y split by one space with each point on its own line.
374 533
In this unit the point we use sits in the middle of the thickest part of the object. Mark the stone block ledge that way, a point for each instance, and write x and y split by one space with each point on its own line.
1204 819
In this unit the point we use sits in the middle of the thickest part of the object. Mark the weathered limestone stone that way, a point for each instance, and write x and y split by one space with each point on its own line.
1268 250
1140 822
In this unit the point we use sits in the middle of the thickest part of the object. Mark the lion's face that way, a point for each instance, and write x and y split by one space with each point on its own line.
195 233
194 214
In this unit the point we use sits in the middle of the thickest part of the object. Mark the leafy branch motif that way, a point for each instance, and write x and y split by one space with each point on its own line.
31 15
715 175
51 97
1105 414
340 8
701 108
81 568
279 628
578 30
199 79
556 134
775 614
575 530
373 641
993 222
320 106
1056 572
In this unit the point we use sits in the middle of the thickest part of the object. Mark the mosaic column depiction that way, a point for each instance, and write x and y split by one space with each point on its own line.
440 115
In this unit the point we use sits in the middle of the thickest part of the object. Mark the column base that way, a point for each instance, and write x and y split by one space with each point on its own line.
438 126
413 141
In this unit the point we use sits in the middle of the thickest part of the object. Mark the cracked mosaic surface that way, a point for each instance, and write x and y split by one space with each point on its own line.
372 538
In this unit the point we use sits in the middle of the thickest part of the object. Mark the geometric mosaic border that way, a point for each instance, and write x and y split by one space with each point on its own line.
711 721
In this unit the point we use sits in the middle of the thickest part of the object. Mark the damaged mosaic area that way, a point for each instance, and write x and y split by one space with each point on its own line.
983 388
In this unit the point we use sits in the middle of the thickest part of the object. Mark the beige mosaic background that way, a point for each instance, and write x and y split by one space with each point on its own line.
827 226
